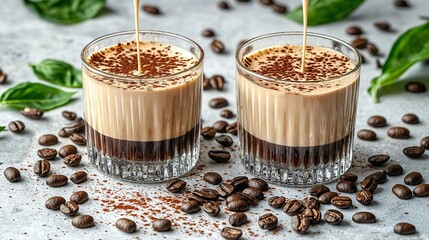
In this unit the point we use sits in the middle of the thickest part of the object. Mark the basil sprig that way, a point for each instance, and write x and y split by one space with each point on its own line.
2 128
411 47
325 11
66 11
58 72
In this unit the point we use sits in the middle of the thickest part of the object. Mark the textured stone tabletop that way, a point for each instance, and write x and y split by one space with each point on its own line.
26 38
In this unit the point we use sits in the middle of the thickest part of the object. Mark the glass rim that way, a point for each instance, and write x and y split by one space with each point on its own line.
132 32
295 33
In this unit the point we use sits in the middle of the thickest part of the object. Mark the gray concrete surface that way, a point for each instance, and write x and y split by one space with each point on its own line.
25 38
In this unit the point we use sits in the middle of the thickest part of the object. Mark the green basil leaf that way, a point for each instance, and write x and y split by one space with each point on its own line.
66 11
58 72
2 128
411 47
325 11
35 95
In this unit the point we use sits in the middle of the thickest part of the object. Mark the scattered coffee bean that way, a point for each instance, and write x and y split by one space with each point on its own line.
190 206
225 189
300 224
415 87
69 115
421 190
311 202
206 84
354 30
377 121
83 221
238 206
393 170
16 126
383 26
56 180
342 202
254 192
232 128
78 177
206 195
244 197
404 228
220 156
67 150
237 219
231 233
175 185
401 3
223 5
69 208
224 140
258 184
47 153
266 2
211 208
318 190
208 32
218 103
413 151
398 133
161 225
349 177
379 176
79 197
268 221
3 77
360 43
279 8
32 113
217 46
367 135
151 9
220 126
424 143
72 160
12 174
208 132
363 217
313 214
372 49
76 128
240 182
410 118
78 139
54 203
346 187
42 168
293 207
326 197
126 225
276 201
228 114
378 160
364 197
369 183
48 140
413 178
216 82
402 191
213 178
333 217
243 1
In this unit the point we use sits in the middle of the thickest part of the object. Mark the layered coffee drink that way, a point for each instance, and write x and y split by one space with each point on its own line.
296 128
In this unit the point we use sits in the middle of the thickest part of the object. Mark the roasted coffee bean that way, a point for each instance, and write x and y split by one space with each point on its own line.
218 103
237 219
206 84
32 113
151 9
266 2
293 207
226 114
54 203
415 87
279 8
363 217
383 26
208 132
313 214
67 150
48 140
421 190
220 156
311 202
56 180
254 192
126 225
413 178
69 208
231 233
318 190
225 189
72 160
217 46
342 202
220 126
238 206
349 177
424 143
79 197
161 225
404 228
268 221
364 197
354 30
47 153
402 191
393 170
410 118
367 135
232 128
369 183
175 185
83 221
224 140
346 187
223 5
64 133
211 208
208 32
78 139
12 174
243 1
398 132
206 194
377 121
372 49
68 131
213 178
326 197
240 182
378 160
190 206
42 168
69 115
413 151
78 177
300 224
258 184
276 201
363 59
16 126
216 82
333 216
3 77
241 196
360 43
380 176
401 3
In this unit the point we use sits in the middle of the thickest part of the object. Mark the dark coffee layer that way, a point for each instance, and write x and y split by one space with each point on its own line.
153 151
297 157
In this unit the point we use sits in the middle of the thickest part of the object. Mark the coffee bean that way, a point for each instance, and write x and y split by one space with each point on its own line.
266 2
69 115
12 174
363 217
206 194
175 185
369 183
190 206
421 190
67 150
206 84
243 1
378 160
217 46
216 82
377 121
300 224
228 114
56 180
311 202
258 184
354 30
239 182
220 126
293 207
254 192
238 206
3 77
208 32
225 189
83 221
79 197
220 156
47 153
342 202
398 133
75 128
363 59
218 103
404 228
413 178
424 143
313 214
410 118
208 132
151 9
126 225
276 201
402 191
326 197
161 225
346 187
415 87
69 208
364 197
372 49
318 190
78 139
72 160
16 126
213 178
401 3
268 221
244 197
78 177
383 26
367 135
232 129
393 170
211 208
349 177
237 219
54 203
333 217
359 43
32 113
279 8
42 168
413 151
231 233
224 140
223 5
48 140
